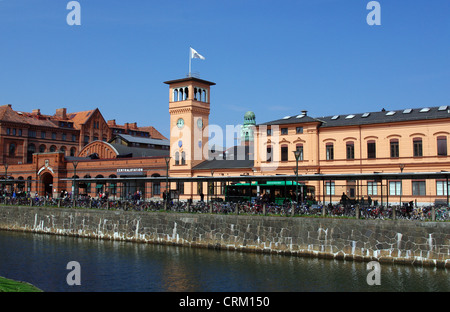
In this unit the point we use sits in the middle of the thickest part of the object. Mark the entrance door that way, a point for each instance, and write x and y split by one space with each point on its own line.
47 182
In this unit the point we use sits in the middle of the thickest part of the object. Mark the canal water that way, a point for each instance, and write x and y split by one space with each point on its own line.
110 266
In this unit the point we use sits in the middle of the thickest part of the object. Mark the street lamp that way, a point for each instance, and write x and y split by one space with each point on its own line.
75 164
402 166
6 174
211 190
167 159
297 157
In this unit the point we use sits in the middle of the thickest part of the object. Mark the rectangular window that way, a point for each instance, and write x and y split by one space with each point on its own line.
371 149
442 146
330 151
372 188
63 136
74 137
14 131
284 153
53 135
42 134
86 139
31 133
300 149
350 146
156 188
269 132
199 188
299 130
20 132
395 188
442 188
417 147
180 188
418 188
269 154
8 131
394 149
329 188
284 131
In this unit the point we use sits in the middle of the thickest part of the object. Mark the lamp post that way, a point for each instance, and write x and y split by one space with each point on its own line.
297 157
213 186
167 159
402 166
6 175
75 164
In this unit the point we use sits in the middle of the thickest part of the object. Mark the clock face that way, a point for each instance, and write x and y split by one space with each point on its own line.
199 123
180 123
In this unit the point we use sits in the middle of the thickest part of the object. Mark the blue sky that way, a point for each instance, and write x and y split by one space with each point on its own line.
275 58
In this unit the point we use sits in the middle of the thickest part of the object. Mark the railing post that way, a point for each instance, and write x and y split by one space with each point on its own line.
323 211
293 209
264 209
237 209
433 214
210 207
357 211
393 213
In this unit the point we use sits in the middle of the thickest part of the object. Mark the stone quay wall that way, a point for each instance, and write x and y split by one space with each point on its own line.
399 241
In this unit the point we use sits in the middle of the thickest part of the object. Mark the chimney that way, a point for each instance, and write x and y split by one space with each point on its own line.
61 113
36 111
112 122
304 112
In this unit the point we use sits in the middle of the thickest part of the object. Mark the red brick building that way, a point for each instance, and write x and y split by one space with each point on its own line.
40 152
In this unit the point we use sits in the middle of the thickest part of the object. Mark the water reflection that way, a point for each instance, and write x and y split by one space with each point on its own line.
123 266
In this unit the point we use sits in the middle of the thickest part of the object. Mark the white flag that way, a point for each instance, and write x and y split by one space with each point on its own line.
195 54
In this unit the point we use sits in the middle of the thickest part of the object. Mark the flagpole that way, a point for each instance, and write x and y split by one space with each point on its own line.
190 59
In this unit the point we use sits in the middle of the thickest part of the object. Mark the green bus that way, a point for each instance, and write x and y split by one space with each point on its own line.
278 192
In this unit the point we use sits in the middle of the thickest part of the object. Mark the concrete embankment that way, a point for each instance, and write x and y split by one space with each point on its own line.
400 241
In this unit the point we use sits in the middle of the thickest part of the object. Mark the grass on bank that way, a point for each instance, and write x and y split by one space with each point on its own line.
7 285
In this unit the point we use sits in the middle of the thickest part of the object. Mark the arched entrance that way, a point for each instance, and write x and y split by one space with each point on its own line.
47 184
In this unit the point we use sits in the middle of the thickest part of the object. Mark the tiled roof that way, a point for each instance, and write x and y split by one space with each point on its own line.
384 116
80 118
7 114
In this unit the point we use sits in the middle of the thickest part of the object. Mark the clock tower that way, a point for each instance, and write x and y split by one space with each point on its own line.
189 107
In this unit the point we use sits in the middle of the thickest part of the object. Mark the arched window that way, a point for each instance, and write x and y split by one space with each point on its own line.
181 95
175 95
72 151
183 158
177 158
42 148
53 148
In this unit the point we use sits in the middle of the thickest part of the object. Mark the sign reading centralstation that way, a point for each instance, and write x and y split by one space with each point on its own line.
130 171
